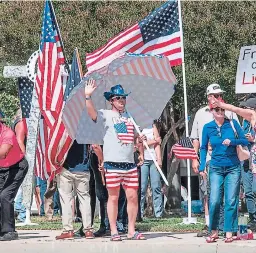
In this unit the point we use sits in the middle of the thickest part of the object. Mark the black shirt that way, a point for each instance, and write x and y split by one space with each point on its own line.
78 158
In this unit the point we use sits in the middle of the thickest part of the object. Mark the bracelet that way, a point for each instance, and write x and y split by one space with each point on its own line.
88 98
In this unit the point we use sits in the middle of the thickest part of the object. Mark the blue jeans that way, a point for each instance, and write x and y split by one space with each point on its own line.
20 208
205 190
43 187
227 179
148 169
254 184
247 178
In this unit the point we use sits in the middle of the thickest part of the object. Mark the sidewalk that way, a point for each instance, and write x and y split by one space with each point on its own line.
35 241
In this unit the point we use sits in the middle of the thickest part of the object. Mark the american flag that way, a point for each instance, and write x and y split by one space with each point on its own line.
125 131
48 80
184 149
59 140
159 33
40 166
25 88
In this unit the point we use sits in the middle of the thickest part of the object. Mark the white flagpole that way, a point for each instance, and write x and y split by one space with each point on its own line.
189 219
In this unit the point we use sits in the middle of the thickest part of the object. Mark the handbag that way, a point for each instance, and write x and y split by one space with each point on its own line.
242 152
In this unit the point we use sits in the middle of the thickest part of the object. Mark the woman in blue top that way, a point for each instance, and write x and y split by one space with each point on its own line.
225 171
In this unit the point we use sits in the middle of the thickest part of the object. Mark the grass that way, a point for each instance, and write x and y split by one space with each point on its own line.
148 224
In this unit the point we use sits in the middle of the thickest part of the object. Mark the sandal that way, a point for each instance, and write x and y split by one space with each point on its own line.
115 238
228 240
136 236
236 238
211 239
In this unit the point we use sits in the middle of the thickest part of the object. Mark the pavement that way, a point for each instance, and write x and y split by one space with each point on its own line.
35 241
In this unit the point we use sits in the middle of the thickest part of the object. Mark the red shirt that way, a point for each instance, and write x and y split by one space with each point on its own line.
15 154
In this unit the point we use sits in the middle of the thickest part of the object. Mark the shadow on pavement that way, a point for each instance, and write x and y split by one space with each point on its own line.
27 233
32 237
157 235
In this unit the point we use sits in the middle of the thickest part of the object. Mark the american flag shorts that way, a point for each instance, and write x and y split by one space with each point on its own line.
127 178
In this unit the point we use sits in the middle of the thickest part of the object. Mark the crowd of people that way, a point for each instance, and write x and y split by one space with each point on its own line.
118 172
217 131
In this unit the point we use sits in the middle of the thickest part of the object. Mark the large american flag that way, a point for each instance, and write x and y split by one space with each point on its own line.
59 139
48 80
184 149
159 33
25 88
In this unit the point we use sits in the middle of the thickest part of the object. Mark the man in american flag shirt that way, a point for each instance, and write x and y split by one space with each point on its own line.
118 153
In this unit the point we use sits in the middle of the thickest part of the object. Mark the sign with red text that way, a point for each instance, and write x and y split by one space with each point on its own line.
246 70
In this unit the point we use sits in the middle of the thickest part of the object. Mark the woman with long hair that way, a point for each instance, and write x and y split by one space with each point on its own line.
149 170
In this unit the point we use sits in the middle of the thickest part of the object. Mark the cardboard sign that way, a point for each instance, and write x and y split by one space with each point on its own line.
246 70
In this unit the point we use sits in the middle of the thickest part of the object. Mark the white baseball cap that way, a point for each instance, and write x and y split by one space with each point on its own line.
214 89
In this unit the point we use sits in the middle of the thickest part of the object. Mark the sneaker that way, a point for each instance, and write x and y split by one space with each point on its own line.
9 236
204 232
89 234
69 235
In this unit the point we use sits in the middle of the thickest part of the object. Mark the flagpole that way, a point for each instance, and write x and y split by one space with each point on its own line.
189 219
59 34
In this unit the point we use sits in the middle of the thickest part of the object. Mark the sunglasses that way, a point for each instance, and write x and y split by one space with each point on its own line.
217 109
217 95
118 98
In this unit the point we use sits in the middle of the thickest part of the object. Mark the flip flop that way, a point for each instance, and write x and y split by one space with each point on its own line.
115 238
211 239
136 236
229 240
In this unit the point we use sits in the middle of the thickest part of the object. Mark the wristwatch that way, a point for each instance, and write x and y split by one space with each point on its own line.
88 97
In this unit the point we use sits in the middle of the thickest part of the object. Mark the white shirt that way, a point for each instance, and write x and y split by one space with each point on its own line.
202 117
148 132
118 141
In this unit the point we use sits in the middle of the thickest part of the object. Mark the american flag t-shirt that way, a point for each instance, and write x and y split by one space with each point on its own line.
158 33
124 129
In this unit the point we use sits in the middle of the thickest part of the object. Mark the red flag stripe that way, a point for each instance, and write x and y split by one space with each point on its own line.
112 42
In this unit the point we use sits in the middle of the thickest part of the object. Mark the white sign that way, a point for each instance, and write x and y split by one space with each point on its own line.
246 70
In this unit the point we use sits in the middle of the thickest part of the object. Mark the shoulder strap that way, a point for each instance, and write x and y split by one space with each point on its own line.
233 127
